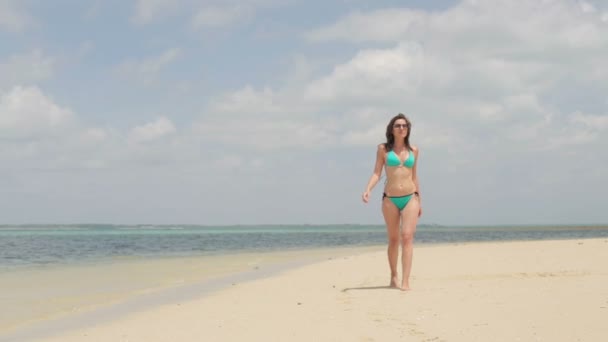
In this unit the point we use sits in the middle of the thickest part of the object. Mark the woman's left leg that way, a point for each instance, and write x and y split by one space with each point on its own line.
409 220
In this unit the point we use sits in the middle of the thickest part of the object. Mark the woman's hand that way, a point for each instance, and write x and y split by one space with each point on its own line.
365 196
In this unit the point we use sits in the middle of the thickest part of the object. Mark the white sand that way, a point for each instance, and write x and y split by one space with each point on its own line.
512 291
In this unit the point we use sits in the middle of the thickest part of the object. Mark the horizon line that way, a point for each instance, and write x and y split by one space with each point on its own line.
303 224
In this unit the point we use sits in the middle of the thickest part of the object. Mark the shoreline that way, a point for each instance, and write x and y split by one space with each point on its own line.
94 262
158 281
461 291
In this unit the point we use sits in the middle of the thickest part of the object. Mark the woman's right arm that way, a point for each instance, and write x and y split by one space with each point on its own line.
375 177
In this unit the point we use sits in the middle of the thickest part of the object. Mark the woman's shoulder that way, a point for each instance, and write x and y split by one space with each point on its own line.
382 147
415 149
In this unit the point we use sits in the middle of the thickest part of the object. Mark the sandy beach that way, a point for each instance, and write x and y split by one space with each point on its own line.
505 291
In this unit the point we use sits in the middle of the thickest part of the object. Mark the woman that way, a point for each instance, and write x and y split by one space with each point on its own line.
401 198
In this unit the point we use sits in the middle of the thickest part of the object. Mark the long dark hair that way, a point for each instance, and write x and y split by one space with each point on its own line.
390 138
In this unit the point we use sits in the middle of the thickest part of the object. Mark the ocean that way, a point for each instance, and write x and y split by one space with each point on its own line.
40 245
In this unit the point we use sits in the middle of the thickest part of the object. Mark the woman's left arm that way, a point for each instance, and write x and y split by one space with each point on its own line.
415 177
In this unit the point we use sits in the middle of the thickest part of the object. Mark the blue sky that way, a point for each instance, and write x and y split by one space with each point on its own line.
264 111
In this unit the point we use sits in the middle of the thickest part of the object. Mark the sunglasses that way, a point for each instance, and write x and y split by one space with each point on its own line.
407 125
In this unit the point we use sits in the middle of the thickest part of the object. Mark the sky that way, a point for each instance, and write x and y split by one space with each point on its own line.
270 112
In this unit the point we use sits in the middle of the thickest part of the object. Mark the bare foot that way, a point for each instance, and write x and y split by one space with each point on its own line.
405 287
394 281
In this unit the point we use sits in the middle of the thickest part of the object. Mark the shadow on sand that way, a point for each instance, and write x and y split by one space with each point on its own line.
370 288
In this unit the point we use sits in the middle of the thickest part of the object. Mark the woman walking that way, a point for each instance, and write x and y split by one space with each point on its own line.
401 205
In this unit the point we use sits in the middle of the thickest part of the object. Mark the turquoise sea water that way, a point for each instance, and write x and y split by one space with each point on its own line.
37 245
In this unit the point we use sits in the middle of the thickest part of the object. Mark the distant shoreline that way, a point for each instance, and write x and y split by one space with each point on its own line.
191 225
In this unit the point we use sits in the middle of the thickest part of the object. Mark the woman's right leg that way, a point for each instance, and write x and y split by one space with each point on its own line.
391 218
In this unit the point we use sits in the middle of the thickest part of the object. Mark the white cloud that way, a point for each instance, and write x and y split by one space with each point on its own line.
594 122
491 111
567 137
38 134
151 131
13 18
483 91
214 17
364 137
201 14
155 64
484 25
441 136
587 7
84 49
252 133
248 100
230 161
93 9
466 75
30 67
26 113
147 69
146 11
476 70
93 136
378 73
364 26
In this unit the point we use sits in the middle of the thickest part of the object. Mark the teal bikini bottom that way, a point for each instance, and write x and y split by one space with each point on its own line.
400 201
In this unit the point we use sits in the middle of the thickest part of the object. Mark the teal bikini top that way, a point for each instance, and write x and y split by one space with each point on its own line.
393 160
